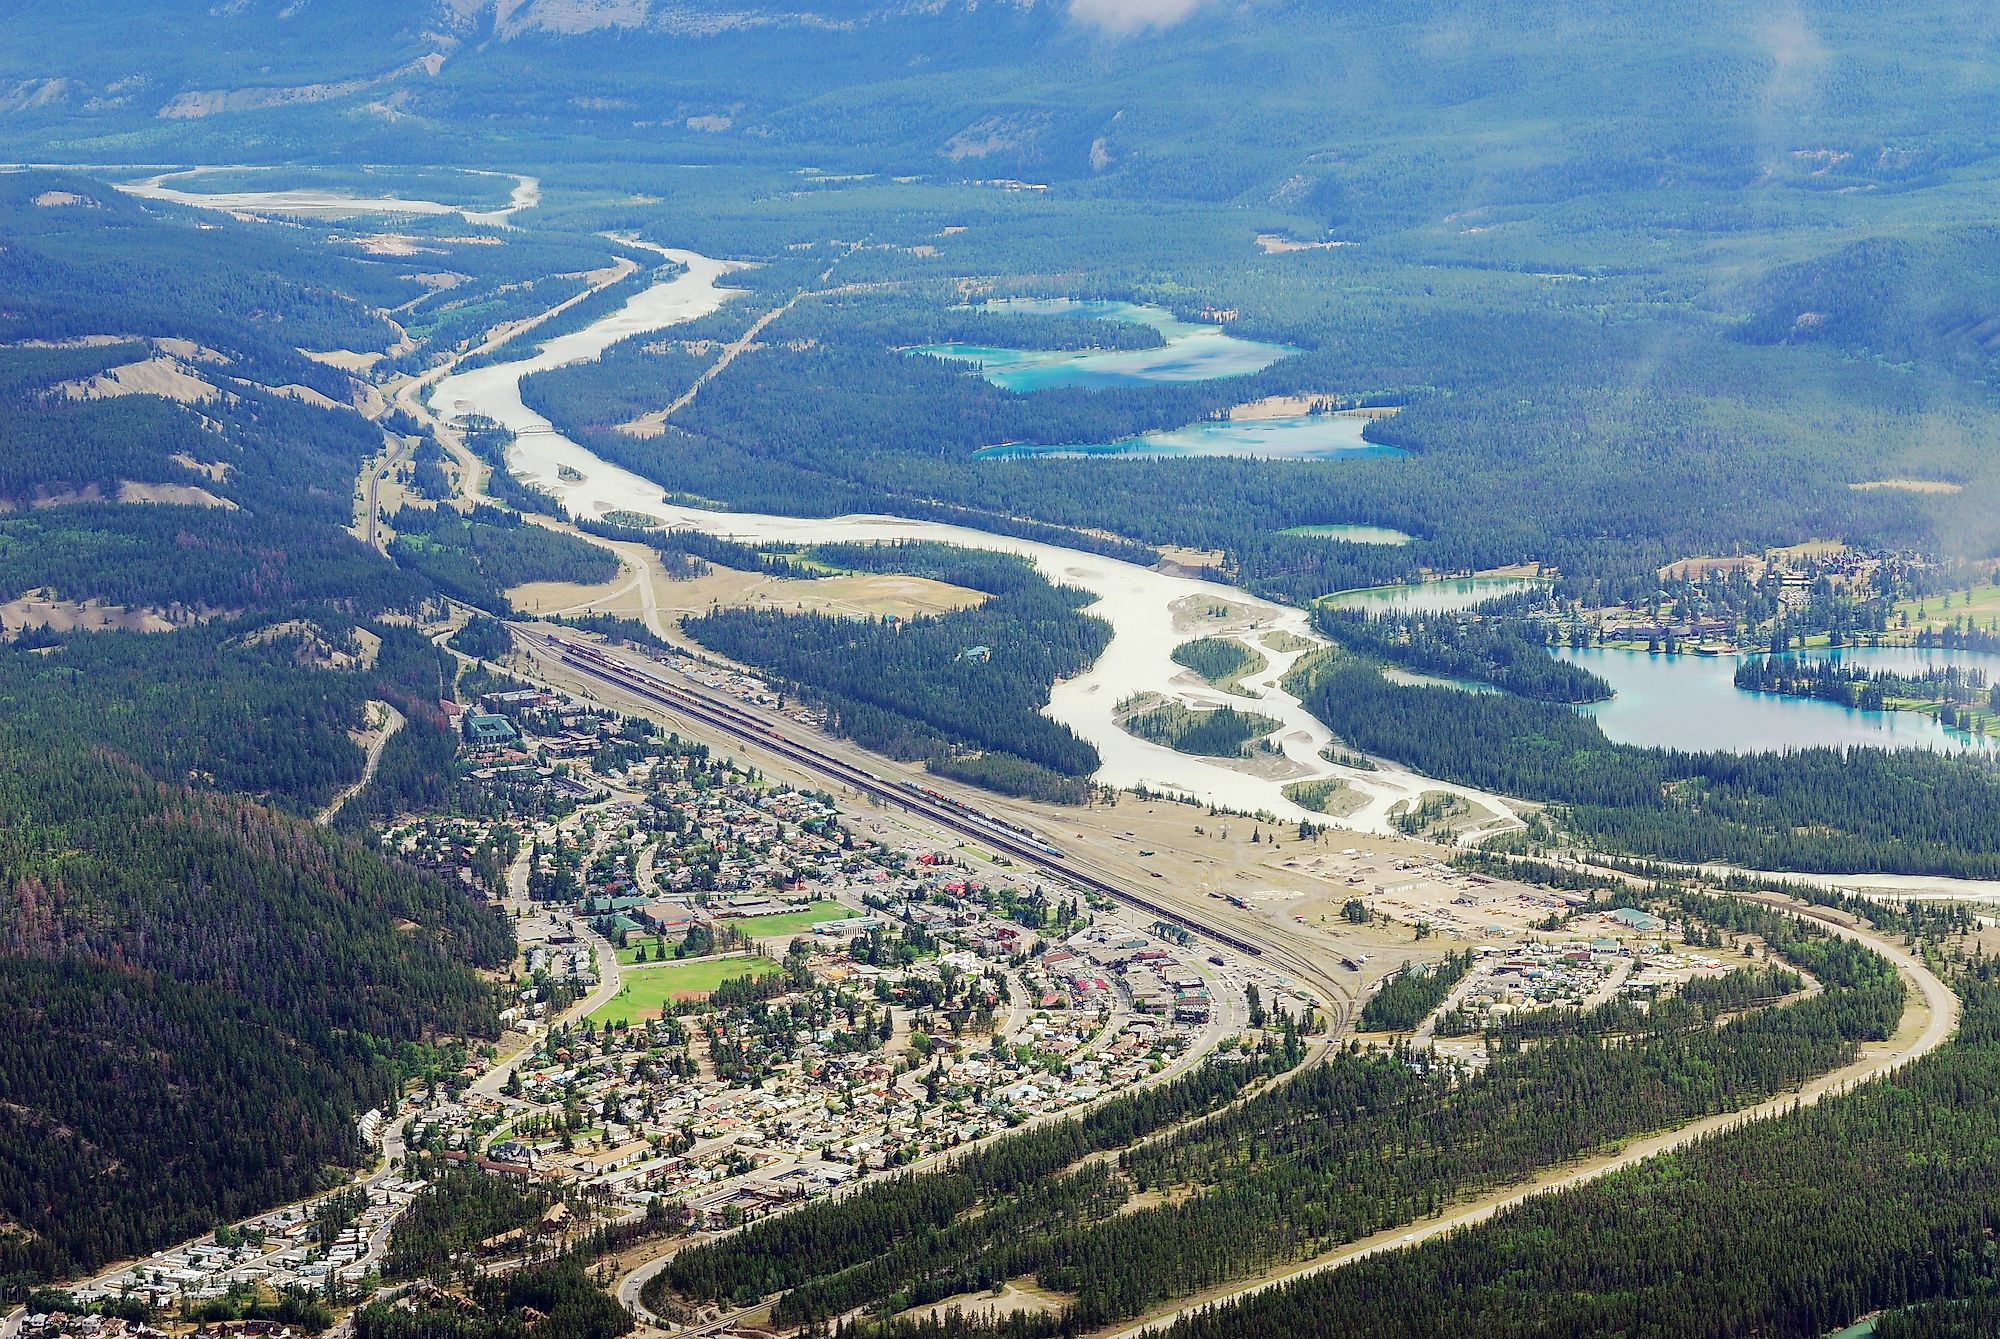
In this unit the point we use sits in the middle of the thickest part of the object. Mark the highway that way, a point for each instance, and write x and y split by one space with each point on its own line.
1930 997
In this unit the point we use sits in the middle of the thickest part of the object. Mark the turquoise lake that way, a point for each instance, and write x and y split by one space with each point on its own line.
1192 352
1293 437
1692 702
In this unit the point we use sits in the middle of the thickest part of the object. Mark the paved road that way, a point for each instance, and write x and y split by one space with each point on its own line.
1426 1033
392 451
1931 999
374 760
493 1080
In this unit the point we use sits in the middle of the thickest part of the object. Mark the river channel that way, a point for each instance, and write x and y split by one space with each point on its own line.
1138 602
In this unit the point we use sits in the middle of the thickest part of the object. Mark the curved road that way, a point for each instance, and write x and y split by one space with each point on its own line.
1931 1000
390 725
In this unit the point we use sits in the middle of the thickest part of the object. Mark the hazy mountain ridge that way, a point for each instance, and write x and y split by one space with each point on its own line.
1406 109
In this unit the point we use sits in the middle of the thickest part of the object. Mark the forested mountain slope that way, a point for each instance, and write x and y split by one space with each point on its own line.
199 995
198 999
149 355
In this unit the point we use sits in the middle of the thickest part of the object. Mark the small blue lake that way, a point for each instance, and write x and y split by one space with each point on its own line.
1692 702
1192 352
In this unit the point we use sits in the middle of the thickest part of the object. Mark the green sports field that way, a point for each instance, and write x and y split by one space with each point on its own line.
647 990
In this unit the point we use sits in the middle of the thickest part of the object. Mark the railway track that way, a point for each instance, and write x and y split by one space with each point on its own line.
1014 843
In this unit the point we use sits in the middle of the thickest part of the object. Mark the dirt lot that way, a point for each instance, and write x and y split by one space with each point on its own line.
1205 616
865 596
1022 1296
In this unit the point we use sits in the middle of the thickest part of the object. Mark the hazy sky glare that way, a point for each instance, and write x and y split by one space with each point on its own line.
1124 16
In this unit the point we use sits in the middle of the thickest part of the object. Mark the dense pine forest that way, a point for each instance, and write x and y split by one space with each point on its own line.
478 556
155 942
458 1211
1221 732
1220 660
557 1300
1510 654
830 417
1865 689
1910 811
963 691
1410 996
199 995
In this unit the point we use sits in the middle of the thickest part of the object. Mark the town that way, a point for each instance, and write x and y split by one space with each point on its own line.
731 996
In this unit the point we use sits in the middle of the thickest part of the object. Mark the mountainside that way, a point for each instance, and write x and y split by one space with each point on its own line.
199 995
1363 113
199 999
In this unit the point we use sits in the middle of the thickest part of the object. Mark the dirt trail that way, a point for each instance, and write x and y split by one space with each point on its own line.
378 739
655 423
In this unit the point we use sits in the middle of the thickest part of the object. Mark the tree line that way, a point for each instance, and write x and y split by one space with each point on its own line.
1903 811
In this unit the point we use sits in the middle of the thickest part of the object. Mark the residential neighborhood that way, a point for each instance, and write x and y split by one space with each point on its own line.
731 995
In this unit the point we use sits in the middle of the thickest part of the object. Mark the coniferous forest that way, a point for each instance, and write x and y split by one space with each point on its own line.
963 691
156 942
1885 1196
200 993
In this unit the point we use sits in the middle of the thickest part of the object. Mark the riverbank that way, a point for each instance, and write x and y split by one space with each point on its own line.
1138 602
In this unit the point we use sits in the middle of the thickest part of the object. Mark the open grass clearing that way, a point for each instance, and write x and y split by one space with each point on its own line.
1981 603
793 922
646 992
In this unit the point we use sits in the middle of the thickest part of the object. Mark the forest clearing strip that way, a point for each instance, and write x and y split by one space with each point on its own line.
376 743
655 423
1931 1013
